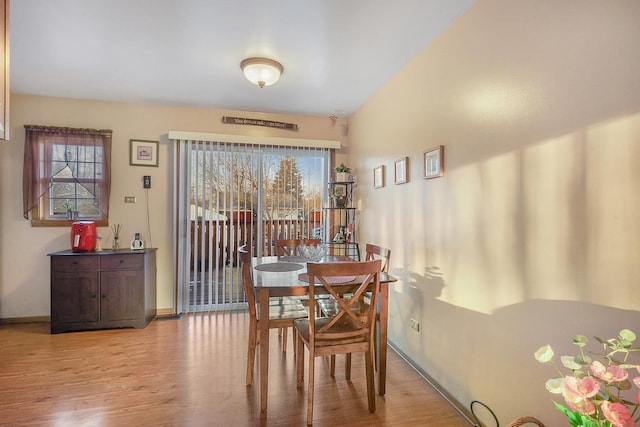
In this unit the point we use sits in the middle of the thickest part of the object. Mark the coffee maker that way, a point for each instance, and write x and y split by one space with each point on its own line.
83 236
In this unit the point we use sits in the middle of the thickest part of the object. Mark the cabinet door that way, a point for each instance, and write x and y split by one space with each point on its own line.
121 295
74 297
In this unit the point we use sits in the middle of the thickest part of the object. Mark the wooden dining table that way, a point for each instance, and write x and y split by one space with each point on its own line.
278 277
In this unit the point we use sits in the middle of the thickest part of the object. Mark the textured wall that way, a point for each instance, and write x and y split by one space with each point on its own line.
532 235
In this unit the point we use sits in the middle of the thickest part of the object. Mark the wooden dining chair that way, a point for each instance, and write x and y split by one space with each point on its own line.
328 306
378 252
345 332
279 316
289 247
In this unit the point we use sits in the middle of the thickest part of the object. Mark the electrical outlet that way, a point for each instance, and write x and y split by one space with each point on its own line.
146 181
415 325
129 199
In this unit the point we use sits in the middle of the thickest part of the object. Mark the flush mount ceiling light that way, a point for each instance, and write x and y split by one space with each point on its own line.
261 71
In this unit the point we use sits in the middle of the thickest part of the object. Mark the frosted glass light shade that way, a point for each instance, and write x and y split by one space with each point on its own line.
261 71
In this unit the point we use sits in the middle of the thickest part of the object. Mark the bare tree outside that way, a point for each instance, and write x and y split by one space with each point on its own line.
229 181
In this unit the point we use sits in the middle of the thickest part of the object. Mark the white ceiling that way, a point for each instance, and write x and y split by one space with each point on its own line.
335 53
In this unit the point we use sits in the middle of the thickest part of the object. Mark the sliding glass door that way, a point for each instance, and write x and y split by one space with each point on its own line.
229 195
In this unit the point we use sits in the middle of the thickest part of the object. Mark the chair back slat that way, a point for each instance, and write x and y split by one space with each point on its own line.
378 252
287 247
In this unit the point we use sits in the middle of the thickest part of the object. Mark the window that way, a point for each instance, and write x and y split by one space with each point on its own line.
66 175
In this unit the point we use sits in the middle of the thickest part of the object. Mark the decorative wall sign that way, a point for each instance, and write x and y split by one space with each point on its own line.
143 153
259 122
434 162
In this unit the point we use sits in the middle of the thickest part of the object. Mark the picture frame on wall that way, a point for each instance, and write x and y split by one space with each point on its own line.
143 153
378 177
401 170
434 162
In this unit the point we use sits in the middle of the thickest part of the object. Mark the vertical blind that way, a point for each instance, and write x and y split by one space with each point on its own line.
231 194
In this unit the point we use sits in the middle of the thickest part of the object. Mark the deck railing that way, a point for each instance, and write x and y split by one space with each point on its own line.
217 241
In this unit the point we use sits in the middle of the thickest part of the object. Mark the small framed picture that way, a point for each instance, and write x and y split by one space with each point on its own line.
401 170
143 153
378 177
434 162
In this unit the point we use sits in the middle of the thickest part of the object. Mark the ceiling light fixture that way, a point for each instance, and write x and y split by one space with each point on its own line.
261 71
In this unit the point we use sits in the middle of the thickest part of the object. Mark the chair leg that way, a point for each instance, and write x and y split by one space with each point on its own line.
347 367
371 382
310 387
285 332
332 365
252 343
377 337
294 336
299 362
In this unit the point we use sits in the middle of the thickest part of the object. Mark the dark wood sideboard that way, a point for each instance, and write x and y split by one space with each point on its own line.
102 290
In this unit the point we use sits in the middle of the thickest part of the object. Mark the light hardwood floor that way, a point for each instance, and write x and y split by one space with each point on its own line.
189 372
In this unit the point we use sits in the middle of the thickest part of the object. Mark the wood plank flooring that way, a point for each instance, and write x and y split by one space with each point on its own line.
189 372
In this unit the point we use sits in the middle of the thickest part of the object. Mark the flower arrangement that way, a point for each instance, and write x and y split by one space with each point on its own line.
597 393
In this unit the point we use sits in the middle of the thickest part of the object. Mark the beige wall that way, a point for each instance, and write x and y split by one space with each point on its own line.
24 265
533 234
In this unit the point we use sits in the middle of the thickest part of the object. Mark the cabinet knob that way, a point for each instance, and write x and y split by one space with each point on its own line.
93 296
121 261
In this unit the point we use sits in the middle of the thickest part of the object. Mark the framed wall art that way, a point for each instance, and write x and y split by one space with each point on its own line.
143 153
401 170
434 162
378 177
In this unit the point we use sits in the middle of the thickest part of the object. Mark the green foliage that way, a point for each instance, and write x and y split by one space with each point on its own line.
343 168
67 206
578 420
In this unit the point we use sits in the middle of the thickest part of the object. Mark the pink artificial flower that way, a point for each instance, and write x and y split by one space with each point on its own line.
617 414
584 406
575 389
576 393
612 374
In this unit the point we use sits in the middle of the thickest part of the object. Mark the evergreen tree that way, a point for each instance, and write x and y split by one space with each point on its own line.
286 195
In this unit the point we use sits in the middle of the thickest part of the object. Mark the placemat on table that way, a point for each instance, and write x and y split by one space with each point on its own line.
293 258
304 277
279 266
